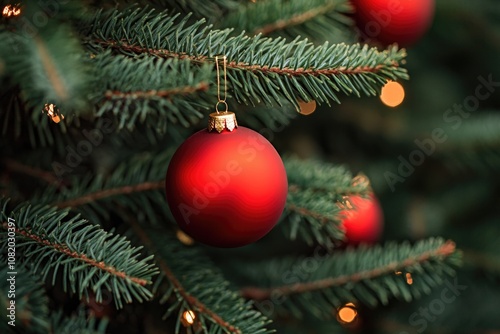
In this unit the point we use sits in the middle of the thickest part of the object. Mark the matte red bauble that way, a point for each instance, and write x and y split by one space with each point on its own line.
394 21
226 188
364 223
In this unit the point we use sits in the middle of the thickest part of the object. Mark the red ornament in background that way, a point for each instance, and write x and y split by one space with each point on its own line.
394 21
363 223
226 188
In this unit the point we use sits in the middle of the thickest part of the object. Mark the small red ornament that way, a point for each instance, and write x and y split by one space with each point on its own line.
394 21
363 223
226 188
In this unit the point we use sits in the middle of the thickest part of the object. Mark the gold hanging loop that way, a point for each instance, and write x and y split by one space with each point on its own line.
222 120
224 71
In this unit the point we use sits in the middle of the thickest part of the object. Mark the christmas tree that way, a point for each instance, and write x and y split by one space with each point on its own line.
97 97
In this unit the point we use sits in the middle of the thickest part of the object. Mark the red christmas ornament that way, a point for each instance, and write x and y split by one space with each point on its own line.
226 188
394 21
363 223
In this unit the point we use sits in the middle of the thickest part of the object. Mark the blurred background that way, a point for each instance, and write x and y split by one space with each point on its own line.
430 148
455 191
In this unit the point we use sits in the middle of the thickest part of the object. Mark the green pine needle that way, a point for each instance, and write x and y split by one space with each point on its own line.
259 69
368 275
89 258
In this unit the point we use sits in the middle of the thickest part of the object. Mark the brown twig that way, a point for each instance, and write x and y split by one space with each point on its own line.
62 248
111 192
257 293
294 20
294 188
51 70
200 87
242 66
36 173
306 212
194 303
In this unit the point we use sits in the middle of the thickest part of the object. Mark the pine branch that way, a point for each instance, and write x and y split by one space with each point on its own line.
77 323
36 173
50 71
330 180
103 194
202 290
49 67
259 69
199 8
312 211
155 91
316 194
294 20
366 275
165 93
318 20
446 249
51 242
137 184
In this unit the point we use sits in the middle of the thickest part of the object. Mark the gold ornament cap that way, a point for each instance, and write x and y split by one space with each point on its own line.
222 120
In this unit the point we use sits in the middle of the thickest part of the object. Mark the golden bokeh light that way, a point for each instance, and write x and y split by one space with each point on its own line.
307 108
184 238
11 10
188 318
53 112
347 313
393 94
409 279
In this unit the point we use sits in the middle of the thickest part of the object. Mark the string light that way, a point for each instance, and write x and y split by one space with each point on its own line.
409 279
347 314
53 112
393 94
11 10
184 238
307 108
188 318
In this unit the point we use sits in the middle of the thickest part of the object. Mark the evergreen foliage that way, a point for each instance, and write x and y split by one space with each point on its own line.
317 20
370 276
202 290
315 200
31 300
146 71
259 68
89 258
